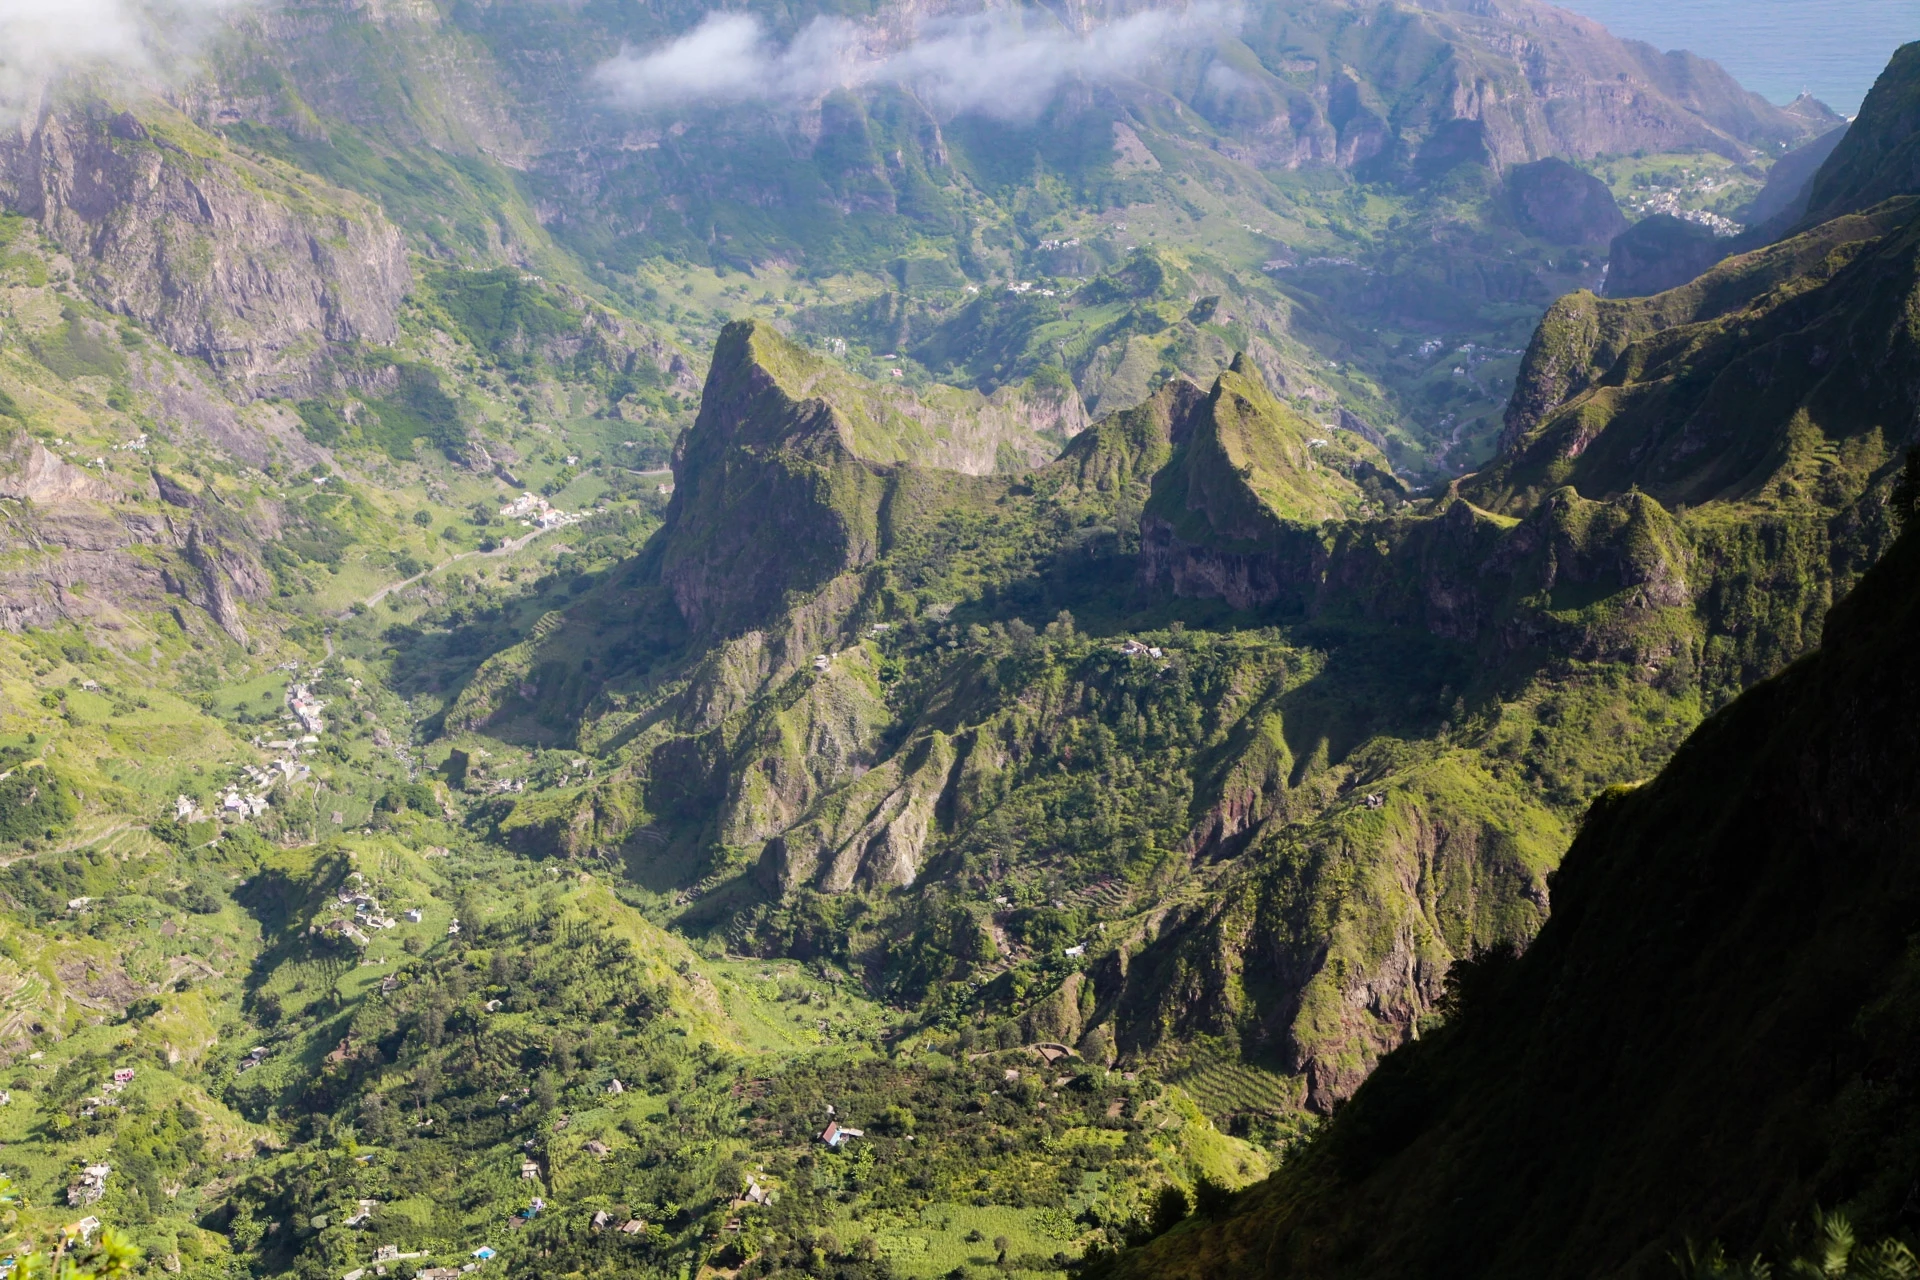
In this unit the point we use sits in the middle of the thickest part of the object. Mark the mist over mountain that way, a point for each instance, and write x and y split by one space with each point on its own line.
1007 65
43 41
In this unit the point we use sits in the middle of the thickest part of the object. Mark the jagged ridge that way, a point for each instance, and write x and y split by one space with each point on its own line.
1704 1040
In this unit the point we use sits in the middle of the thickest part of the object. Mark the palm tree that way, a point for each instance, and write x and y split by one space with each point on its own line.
1834 1254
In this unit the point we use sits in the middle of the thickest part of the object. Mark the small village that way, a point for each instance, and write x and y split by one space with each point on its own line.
535 512
242 803
367 914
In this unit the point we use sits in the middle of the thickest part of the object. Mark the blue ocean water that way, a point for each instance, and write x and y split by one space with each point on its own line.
1833 49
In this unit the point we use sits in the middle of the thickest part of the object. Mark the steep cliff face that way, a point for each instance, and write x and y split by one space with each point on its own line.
95 544
791 753
1326 948
873 833
1879 156
81 550
1235 513
772 494
1705 1040
783 480
233 259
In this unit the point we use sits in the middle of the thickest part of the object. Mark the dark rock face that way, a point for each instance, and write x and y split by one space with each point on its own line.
225 257
1660 253
1784 198
1559 203
770 496
1879 157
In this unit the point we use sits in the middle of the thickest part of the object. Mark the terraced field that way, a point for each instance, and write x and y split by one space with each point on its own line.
1226 1087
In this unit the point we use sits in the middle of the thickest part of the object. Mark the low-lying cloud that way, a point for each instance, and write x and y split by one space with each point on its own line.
1004 64
131 41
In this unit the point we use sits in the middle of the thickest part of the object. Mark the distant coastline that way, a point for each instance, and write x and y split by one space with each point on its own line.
1833 49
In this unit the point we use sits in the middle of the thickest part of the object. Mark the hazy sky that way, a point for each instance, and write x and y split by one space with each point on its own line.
1831 48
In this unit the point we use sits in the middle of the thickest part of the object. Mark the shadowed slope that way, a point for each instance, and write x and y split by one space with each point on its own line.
1709 1034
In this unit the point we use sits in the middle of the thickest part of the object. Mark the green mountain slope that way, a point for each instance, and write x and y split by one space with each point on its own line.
850 769
1704 1040
1661 394
1329 176
856 817
902 618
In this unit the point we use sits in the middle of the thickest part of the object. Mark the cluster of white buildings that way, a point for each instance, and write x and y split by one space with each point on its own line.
121 1079
240 805
366 908
536 512
306 708
285 768
243 807
92 1185
366 914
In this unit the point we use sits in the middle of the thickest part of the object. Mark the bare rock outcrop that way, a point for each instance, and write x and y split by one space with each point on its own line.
228 257
37 476
81 547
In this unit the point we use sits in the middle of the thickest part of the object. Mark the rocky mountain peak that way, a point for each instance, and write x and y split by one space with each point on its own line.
771 494
1249 461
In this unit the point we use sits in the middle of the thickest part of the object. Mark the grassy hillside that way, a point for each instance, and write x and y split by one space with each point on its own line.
1704 1041
544 659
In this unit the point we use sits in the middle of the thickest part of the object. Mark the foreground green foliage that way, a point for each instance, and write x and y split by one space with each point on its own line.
1658 1077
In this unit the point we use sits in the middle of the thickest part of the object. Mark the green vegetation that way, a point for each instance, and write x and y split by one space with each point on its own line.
34 806
502 312
1833 1251
1681 1092
998 794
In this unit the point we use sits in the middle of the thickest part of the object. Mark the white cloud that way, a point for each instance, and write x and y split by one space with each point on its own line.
1008 64
136 41
1222 78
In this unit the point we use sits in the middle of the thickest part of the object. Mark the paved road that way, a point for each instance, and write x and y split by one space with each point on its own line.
506 548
